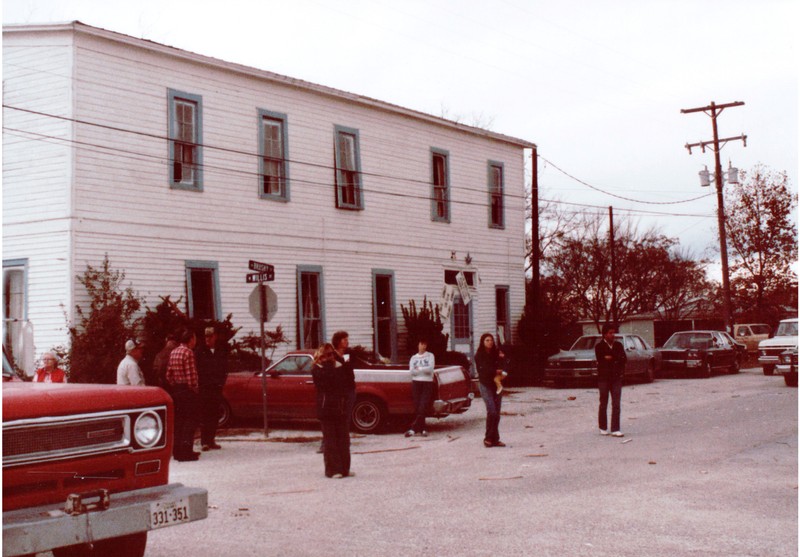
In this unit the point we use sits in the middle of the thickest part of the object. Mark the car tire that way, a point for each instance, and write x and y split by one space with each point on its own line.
369 415
225 414
769 370
790 379
132 545
705 371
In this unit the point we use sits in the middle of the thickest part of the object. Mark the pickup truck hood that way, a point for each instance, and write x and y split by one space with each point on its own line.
775 342
23 400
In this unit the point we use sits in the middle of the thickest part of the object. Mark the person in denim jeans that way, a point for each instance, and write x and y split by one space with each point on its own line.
611 360
488 361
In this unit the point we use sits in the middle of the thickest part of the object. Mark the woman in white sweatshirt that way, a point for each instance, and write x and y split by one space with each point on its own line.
421 367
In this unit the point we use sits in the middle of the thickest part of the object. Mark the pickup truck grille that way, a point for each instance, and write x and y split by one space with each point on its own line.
61 439
57 438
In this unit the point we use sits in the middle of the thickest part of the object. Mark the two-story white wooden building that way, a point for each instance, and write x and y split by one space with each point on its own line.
182 168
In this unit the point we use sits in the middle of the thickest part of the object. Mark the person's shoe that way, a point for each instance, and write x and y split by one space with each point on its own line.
409 433
617 434
188 458
214 447
424 433
499 444
206 448
603 432
487 443
337 476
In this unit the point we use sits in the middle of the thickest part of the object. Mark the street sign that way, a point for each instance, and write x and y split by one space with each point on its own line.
260 267
260 277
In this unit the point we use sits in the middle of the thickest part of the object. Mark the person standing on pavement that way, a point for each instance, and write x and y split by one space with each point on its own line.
488 361
128 371
611 360
333 387
161 361
212 371
341 343
185 390
421 366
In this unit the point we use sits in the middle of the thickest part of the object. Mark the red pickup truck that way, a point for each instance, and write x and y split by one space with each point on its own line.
381 391
86 469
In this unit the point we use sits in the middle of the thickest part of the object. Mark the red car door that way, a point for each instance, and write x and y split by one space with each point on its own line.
290 388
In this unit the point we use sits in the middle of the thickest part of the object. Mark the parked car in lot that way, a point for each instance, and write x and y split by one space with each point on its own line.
741 348
381 391
770 350
579 363
699 353
751 334
787 367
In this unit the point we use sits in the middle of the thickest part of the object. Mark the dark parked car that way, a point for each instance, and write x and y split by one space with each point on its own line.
699 353
579 362
741 347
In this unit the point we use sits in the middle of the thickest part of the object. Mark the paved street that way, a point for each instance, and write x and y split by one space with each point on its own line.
707 467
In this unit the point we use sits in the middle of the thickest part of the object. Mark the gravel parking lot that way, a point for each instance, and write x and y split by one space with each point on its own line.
707 467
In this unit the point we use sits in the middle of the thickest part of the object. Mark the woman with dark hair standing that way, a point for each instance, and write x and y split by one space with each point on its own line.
488 361
333 385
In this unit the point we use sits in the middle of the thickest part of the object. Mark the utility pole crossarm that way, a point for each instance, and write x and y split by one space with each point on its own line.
712 106
722 142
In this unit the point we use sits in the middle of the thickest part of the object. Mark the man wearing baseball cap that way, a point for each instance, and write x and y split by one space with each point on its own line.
128 371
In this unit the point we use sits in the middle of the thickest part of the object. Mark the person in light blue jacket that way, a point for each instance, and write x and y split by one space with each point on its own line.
421 366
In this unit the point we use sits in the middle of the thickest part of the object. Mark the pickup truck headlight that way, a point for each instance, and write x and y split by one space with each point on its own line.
148 429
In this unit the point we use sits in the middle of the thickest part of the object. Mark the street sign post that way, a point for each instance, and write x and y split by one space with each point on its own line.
264 272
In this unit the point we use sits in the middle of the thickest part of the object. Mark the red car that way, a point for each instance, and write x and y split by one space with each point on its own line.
381 391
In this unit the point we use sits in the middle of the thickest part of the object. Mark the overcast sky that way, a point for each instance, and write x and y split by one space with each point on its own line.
597 85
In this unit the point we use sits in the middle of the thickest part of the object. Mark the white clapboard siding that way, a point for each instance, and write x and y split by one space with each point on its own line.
114 184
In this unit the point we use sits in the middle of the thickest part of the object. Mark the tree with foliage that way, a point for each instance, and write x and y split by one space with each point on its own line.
424 323
650 274
98 337
763 241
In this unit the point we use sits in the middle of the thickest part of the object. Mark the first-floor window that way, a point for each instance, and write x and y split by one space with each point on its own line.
202 289
384 315
13 302
502 312
310 307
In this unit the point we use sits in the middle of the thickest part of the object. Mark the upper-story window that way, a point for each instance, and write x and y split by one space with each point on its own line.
496 209
273 168
440 203
185 140
349 193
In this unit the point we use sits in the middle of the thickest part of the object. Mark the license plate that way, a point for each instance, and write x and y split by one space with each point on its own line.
167 513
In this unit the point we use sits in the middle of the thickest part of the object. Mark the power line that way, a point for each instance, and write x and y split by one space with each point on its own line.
595 188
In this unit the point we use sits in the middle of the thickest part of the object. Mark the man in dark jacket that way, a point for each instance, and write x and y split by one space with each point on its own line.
212 369
611 361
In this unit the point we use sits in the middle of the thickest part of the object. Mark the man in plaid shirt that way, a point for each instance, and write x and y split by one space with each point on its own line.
182 379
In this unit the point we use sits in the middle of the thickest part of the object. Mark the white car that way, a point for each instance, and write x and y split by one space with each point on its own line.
769 350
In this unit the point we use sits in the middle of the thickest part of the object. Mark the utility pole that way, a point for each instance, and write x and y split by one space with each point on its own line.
614 313
535 295
713 110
